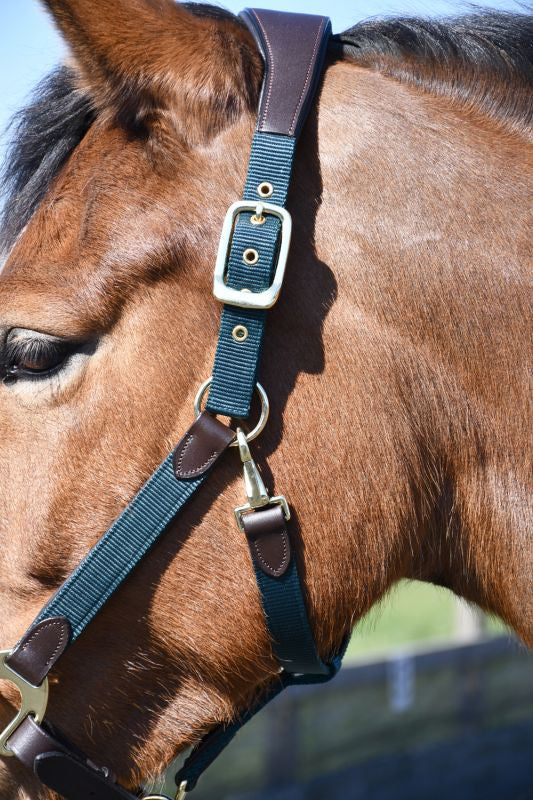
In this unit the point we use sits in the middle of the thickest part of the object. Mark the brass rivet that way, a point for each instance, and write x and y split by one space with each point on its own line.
250 256
265 189
258 220
240 333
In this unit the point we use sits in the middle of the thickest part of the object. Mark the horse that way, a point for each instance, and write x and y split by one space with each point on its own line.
396 362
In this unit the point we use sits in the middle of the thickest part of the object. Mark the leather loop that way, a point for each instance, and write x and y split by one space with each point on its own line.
39 649
293 47
202 445
267 535
60 768
74 780
31 740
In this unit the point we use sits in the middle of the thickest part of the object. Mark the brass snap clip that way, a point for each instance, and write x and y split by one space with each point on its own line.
256 493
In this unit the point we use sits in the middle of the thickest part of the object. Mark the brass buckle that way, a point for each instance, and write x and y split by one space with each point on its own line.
246 298
255 489
34 700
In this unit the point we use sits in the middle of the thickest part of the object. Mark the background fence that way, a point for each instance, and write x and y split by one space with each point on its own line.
454 722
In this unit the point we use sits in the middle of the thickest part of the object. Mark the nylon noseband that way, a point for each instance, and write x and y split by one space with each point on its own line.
248 279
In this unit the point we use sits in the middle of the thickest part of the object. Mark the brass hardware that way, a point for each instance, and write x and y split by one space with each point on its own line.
33 701
258 218
265 408
256 493
265 189
250 256
266 297
240 333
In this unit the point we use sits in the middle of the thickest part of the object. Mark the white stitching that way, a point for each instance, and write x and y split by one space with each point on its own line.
306 84
38 632
198 468
271 76
277 571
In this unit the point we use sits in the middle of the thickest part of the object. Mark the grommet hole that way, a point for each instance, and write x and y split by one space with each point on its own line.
240 333
250 256
265 189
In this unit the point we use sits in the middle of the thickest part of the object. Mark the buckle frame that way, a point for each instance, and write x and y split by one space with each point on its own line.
245 298
34 701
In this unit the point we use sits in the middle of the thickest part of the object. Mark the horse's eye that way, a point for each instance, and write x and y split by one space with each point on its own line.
33 356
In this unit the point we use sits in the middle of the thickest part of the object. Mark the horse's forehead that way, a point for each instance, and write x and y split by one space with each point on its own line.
101 216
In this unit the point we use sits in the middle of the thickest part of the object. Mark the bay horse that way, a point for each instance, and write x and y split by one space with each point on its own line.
397 356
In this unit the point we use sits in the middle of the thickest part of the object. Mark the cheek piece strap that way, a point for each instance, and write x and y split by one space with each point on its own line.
248 279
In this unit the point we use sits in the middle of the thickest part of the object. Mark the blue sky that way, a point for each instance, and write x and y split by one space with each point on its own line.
30 46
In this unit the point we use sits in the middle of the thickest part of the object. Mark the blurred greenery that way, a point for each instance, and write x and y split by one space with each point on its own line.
412 612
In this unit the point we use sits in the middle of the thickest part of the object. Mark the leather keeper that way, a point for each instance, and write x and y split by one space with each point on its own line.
268 538
202 445
294 48
74 780
60 768
39 649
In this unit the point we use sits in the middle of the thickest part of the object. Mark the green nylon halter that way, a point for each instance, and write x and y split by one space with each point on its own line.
163 496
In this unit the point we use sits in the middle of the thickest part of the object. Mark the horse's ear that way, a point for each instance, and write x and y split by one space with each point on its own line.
153 60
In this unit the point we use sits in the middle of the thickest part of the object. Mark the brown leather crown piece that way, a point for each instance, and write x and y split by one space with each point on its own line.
293 54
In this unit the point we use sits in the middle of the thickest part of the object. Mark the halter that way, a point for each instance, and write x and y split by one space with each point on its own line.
248 279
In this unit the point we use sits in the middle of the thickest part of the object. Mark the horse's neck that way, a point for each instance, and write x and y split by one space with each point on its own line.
418 236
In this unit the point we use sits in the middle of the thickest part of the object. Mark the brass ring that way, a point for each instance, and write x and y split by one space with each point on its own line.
265 409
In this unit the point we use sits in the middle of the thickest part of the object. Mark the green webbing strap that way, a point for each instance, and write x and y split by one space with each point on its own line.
215 742
293 640
236 362
117 553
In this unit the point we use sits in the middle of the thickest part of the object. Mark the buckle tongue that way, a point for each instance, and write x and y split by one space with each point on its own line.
248 299
255 489
34 700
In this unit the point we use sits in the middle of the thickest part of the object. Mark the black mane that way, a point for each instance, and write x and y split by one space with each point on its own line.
494 43
497 41
485 56
43 135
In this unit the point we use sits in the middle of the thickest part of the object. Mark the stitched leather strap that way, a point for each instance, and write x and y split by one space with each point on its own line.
61 768
39 649
202 445
293 47
269 540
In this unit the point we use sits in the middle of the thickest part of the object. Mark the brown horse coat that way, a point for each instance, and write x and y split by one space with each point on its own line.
396 360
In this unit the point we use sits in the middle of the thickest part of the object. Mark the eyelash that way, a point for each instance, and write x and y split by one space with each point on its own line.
33 349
